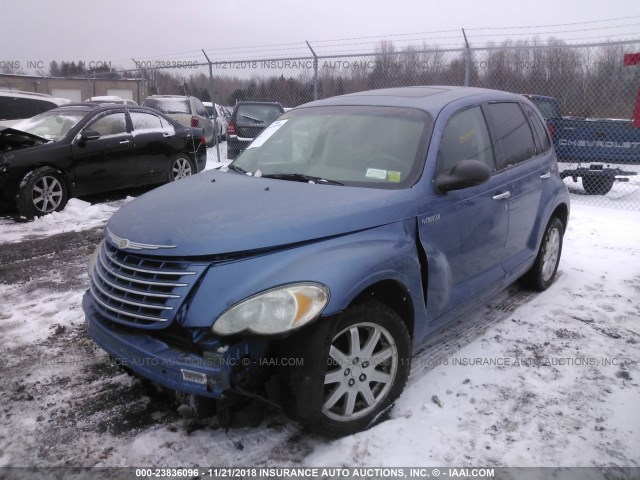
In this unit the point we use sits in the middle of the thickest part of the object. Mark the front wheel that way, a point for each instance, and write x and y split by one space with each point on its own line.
181 167
545 267
365 365
43 191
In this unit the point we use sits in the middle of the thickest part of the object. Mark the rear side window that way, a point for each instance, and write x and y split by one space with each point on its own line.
145 121
257 113
12 108
465 137
513 136
540 131
169 105
44 106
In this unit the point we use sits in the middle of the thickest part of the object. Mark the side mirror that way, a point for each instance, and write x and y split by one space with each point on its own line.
467 173
89 134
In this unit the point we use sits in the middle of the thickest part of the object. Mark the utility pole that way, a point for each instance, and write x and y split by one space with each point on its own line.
211 95
315 72
467 60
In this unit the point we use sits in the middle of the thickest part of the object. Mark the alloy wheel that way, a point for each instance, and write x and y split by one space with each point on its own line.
181 168
362 365
551 251
47 194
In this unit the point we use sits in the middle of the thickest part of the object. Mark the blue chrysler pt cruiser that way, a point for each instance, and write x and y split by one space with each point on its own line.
315 265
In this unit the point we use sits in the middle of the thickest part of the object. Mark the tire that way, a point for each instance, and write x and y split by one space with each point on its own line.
344 388
181 166
43 191
597 184
543 271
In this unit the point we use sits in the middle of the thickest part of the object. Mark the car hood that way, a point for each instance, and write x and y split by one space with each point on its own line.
215 213
14 139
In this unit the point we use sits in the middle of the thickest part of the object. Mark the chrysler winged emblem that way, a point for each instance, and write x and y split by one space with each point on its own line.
124 243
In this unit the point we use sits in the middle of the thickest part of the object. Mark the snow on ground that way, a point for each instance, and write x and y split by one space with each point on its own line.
217 159
564 389
78 215
549 379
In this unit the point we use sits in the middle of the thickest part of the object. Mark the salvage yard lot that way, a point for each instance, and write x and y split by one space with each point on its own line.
548 379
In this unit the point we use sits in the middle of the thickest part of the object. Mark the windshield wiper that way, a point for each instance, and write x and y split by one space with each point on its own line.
299 177
235 168
254 119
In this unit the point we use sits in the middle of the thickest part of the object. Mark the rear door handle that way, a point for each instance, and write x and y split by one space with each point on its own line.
124 142
502 196
546 175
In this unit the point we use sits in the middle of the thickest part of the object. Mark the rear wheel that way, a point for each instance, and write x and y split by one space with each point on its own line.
181 167
44 191
597 184
545 267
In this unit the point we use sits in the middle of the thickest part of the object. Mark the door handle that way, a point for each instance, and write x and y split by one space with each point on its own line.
124 142
545 175
502 196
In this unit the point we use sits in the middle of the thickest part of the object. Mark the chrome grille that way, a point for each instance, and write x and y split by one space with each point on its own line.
140 290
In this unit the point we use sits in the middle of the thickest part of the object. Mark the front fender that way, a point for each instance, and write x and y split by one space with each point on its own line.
347 264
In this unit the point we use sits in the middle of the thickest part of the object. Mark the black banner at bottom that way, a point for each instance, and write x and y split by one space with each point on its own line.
320 473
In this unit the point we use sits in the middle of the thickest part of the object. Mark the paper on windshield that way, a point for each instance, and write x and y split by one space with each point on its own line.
267 133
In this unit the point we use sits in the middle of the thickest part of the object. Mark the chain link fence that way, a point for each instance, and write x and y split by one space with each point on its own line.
587 94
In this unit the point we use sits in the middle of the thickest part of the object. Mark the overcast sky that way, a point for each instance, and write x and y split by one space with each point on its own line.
117 30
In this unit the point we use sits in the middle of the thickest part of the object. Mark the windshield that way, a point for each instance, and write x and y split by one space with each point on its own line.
548 108
380 147
52 125
169 105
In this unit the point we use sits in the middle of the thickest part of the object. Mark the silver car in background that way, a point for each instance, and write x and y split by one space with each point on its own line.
217 114
186 110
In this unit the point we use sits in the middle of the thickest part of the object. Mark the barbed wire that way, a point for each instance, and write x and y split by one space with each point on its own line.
342 42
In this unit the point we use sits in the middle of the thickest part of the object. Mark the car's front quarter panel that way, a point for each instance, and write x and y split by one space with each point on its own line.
347 265
15 165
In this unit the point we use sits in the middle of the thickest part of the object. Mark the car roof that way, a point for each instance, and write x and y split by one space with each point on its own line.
257 102
34 96
98 107
168 96
429 98
88 106
104 97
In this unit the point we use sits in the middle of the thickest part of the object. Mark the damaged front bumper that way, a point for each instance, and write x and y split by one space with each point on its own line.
208 375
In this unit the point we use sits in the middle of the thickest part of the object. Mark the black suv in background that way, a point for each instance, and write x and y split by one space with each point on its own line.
248 119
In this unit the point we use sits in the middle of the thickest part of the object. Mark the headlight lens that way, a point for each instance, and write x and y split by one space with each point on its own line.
94 258
274 311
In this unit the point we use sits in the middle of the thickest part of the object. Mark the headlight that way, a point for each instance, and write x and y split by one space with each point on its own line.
94 258
274 311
